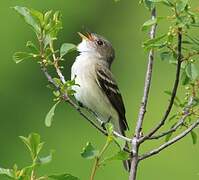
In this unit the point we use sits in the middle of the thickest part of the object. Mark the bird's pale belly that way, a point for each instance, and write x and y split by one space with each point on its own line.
92 97
90 94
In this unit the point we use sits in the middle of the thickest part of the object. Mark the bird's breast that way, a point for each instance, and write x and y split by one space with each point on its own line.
89 92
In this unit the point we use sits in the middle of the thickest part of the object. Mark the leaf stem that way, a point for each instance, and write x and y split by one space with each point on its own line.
97 159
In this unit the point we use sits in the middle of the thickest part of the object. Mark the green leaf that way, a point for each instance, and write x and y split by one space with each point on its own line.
66 48
193 40
38 15
120 142
33 143
168 137
153 42
7 172
191 71
47 16
177 99
63 177
149 4
109 128
184 78
181 5
121 155
172 117
28 18
45 160
32 47
20 56
194 137
54 25
166 56
89 152
149 23
25 173
50 115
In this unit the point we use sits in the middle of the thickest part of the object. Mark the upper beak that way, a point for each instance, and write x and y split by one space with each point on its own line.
85 37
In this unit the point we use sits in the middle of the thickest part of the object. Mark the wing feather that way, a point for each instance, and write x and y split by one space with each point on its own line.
107 83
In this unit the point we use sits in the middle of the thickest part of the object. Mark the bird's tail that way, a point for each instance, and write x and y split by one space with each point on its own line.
126 163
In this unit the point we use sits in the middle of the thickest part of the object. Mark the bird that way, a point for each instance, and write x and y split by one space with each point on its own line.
97 89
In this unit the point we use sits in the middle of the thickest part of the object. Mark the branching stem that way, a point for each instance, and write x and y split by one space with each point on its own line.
174 91
138 129
98 158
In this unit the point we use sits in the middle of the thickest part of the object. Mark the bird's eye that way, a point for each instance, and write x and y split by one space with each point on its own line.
99 42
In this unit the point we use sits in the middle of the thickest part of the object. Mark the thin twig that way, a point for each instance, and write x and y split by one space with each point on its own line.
56 65
181 121
147 81
174 91
172 141
172 130
97 163
138 129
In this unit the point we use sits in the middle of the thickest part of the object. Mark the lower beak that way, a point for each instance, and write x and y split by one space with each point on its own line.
83 36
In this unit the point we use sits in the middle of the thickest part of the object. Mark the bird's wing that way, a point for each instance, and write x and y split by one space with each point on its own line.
108 85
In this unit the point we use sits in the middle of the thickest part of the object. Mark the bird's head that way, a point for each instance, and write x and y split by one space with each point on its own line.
96 45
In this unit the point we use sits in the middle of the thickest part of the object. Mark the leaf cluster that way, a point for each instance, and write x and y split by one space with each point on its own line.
34 146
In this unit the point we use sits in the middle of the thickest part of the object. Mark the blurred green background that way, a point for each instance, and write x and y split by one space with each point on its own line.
25 100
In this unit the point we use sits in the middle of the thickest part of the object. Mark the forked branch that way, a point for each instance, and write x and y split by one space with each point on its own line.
169 143
174 91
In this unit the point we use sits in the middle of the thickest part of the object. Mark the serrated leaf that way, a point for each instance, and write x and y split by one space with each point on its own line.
33 143
154 42
191 71
63 177
46 159
165 2
50 115
120 142
32 46
109 128
121 155
177 99
47 16
25 173
172 117
28 18
185 79
194 137
20 56
181 5
54 25
166 56
149 23
66 48
7 172
89 152
38 15
168 137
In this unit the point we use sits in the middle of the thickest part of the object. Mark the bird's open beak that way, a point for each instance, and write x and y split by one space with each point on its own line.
87 37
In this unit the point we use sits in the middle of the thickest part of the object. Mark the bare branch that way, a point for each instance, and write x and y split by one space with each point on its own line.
138 129
56 65
174 91
147 81
186 113
169 143
173 129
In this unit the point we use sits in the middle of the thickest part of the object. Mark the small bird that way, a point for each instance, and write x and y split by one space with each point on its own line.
98 90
